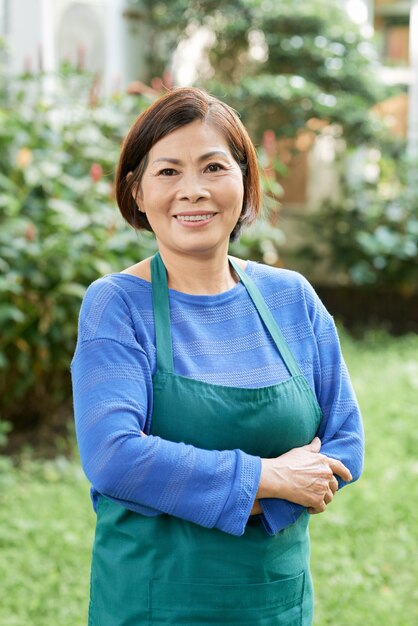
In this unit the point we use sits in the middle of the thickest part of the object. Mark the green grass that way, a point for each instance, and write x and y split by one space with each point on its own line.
46 533
364 547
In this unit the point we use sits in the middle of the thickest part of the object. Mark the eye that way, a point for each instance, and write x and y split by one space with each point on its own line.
167 171
214 167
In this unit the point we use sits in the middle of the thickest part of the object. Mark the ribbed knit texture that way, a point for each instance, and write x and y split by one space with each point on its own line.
219 339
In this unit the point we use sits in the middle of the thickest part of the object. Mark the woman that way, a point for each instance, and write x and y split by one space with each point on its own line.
213 408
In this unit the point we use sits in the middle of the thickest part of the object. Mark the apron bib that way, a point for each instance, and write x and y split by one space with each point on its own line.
165 570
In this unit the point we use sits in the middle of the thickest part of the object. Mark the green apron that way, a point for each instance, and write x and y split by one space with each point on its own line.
165 570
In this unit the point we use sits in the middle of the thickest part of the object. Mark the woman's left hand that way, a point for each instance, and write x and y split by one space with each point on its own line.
333 486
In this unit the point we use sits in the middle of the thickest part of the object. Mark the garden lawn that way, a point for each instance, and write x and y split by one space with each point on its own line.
364 546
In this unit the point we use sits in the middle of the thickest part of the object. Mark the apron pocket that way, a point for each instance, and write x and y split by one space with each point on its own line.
277 603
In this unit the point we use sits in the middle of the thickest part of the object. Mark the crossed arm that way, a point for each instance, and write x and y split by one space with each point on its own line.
302 475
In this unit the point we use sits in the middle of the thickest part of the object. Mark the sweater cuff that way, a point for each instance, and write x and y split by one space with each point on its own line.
237 509
279 514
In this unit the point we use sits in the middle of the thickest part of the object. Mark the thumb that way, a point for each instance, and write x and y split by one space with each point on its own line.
315 445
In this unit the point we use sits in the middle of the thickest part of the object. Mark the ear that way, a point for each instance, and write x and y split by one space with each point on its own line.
137 196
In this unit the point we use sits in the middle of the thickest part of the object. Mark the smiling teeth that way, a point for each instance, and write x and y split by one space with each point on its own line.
194 218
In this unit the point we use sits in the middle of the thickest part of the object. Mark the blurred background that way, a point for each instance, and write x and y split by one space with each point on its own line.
329 93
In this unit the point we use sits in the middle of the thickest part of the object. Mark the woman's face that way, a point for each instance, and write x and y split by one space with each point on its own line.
192 191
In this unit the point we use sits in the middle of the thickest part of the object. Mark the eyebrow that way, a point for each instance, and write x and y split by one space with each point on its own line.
205 156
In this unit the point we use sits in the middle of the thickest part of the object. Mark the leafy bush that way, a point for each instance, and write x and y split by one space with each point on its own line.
59 230
371 235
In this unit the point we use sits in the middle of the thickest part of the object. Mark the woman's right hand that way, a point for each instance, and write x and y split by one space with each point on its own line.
302 475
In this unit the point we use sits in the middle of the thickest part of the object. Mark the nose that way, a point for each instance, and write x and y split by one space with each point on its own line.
192 189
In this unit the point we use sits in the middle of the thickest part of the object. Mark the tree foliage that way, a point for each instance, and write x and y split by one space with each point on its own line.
278 62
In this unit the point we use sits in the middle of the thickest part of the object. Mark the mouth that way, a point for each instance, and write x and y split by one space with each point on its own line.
194 217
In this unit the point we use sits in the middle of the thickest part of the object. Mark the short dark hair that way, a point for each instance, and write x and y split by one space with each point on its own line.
173 110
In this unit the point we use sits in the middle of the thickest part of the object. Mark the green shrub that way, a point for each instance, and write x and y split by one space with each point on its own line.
59 230
371 235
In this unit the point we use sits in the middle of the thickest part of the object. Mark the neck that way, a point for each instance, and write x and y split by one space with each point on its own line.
203 274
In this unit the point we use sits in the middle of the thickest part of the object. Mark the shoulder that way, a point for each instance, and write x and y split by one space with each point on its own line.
106 311
285 287
102 292
268 276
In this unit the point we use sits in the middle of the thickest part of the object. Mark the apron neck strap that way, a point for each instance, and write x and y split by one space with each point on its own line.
268 319
162 323
161 307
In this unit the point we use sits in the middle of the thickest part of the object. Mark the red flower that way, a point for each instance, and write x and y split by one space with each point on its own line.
269 142
30 232
96 172
24 158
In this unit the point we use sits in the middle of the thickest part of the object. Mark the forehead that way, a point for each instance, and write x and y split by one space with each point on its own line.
195 137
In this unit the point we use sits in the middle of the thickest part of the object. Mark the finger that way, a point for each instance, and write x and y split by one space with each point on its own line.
328 496
143 434
340 469
315 510
315 445
333 484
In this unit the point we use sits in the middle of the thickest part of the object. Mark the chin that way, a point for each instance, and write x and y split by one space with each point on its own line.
199 248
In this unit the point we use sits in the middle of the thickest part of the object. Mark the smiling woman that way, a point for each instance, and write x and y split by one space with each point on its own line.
213 408
169 114
191 177
191 193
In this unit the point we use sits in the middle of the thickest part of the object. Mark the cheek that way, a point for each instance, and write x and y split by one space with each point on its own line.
153 200
232 190
237 196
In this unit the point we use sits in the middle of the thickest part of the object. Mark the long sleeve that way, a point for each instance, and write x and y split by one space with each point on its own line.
112 393
341 429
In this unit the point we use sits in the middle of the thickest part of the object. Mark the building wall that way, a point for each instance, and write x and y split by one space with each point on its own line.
93 33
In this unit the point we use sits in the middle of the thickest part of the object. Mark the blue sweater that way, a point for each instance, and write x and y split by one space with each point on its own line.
218 339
